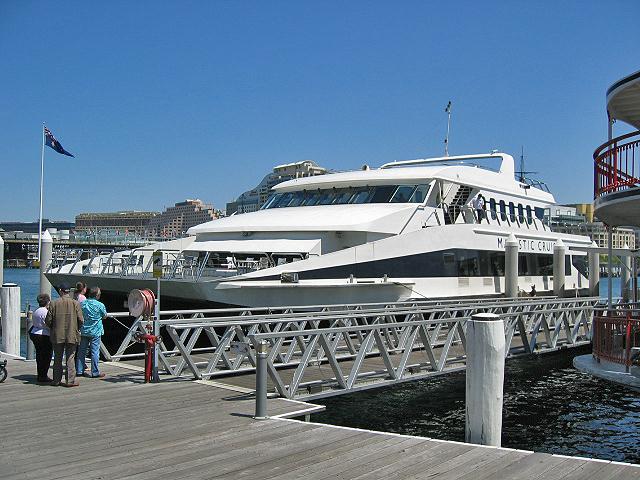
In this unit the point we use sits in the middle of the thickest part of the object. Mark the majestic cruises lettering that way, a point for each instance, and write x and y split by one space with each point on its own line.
526 245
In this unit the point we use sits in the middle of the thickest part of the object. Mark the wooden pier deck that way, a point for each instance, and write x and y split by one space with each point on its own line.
120 428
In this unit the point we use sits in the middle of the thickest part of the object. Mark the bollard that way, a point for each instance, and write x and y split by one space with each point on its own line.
594 272
484 379
10 308
31 348
261 381
511 267
625 276
1 260
559 252
46 253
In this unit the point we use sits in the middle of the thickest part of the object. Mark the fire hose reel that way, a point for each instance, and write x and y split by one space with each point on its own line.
142 304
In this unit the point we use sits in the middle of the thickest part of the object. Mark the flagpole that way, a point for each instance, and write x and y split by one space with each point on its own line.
41 194
446 140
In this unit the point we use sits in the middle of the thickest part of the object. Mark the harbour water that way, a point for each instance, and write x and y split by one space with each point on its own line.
549 406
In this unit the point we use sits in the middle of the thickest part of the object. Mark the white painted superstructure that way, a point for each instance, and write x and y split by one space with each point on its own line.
409 229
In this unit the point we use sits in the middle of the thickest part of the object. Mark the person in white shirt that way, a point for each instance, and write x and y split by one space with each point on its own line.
478 205
39 334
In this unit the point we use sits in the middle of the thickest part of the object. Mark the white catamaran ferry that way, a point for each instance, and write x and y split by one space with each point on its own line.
416 229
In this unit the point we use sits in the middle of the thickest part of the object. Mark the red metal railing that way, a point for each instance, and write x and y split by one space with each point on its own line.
615 165
615 333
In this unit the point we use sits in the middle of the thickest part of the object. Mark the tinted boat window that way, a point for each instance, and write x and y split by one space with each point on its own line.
420 194
492 208
382 194
402 194
503 210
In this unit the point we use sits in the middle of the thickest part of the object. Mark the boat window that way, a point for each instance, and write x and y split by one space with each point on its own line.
529 215
326 197
382 193
512 211
270 200
297 199
581 263
420 194
311 198
503 210
403 193
492 208
342 197
520 213
539 213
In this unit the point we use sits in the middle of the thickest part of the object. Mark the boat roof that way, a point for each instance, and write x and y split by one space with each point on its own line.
623 100
456 169
368 217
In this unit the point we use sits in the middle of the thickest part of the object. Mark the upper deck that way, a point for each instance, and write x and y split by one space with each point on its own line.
616 169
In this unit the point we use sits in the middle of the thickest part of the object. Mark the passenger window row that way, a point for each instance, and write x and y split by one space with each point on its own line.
512 211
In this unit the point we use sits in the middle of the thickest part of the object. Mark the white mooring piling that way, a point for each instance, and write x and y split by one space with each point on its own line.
594 272
625 276
559 255
10 310
511 267
1 260
46 254
484 379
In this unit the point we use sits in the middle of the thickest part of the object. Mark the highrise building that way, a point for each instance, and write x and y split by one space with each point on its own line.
252 200
176 220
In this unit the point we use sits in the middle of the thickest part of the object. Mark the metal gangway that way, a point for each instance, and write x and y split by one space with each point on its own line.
324 350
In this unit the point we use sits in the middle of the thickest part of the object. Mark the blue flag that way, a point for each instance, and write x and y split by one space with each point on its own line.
50 141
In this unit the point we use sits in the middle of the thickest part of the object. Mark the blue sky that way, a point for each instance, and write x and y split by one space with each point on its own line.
162 101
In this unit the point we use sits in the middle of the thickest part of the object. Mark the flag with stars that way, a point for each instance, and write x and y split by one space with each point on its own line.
50 141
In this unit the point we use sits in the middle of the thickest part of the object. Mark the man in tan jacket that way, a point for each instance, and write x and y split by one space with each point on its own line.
64 320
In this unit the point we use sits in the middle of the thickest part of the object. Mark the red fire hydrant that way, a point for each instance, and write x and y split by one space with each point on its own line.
150 341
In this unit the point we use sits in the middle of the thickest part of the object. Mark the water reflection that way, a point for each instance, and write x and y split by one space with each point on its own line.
549 407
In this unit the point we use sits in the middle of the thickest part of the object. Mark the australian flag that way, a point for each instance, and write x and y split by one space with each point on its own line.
50 141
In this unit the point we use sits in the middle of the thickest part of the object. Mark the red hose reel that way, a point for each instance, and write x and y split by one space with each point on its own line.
142 304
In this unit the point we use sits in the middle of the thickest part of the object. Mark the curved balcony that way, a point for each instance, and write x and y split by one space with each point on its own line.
617 181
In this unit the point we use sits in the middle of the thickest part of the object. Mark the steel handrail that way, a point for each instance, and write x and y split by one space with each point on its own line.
614 165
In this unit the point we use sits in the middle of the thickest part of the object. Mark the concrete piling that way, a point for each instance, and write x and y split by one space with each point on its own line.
594 272
484 379
261 381
559 255
46 255
511 267
10 310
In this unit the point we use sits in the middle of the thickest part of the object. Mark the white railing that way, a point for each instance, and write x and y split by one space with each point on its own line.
362 345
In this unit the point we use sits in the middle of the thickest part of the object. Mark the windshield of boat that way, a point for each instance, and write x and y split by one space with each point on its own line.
341 196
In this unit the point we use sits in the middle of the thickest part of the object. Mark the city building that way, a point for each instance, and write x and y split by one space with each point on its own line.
252 200
126 222
176 220
578 219
32 227
585 209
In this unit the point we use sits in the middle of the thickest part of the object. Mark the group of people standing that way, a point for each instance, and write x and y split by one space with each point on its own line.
68 326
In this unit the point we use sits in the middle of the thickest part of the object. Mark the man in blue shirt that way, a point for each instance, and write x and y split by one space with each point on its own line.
94 313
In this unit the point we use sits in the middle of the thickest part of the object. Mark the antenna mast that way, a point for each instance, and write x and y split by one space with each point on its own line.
446 140
522 164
